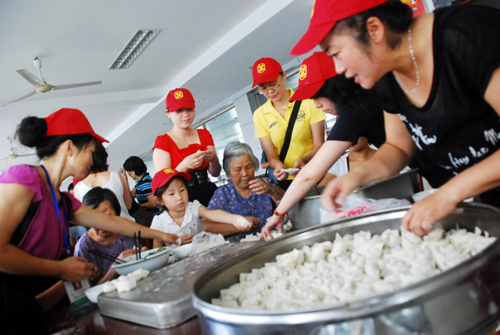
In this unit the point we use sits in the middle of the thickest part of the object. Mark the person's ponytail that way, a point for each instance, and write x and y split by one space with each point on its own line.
31 131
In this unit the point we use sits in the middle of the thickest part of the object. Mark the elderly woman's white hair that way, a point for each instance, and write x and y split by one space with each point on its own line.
234 150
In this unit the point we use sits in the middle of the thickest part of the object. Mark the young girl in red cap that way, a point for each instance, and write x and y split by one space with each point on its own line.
273 119
35 215
182 217
438 77
185 149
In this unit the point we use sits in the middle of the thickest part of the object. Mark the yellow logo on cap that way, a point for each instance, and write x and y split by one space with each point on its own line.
179 95
261 68
303 72
169 170
312 12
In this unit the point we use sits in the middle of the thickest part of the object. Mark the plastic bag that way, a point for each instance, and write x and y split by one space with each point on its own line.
204 241
355 205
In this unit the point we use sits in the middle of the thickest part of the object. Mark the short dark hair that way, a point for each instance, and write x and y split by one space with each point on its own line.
395 15
31 133
134 163
347 95
100 160
71 187
97 195
160 190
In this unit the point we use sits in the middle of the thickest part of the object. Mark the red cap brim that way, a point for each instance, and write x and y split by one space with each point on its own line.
306 91
100 140
265 79
311 38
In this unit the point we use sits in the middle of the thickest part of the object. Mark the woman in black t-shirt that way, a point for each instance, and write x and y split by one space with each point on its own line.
359 114
440 75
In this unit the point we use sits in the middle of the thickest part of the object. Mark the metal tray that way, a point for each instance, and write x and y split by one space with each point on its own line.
461 300
163 299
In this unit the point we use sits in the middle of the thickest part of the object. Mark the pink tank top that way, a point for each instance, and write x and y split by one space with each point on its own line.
43 237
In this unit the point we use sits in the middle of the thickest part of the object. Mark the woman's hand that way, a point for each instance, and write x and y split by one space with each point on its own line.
124 174
193 161
253 220
335 192
240 228
210 154
258 186
94 278
274 221
421 216
74 269
169 239
279 173
299 164
186 239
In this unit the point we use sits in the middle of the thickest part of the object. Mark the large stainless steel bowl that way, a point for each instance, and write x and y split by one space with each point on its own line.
306 212
462 300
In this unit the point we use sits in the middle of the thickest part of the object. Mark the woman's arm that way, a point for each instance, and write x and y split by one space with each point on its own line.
392 156
161 159
94 219
318 135
16 200
214 167
471 182
51 297
273 158
126 192
326 179
309 176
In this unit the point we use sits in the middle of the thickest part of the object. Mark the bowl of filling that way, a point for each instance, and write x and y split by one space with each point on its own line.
150 260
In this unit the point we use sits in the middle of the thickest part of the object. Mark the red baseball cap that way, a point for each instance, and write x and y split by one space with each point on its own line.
314 71
179 98
324 15
162 177
70 121
265 70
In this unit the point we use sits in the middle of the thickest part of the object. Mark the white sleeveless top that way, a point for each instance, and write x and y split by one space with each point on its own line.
115 185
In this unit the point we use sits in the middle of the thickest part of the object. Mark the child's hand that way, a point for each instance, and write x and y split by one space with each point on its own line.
169 239
186 239
241 223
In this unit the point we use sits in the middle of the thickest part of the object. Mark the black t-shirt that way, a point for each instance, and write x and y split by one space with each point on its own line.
360 119
456 128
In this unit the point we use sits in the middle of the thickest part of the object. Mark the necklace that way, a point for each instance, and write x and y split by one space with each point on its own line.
414 64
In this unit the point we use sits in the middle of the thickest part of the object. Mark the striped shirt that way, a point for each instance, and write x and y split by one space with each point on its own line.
143 189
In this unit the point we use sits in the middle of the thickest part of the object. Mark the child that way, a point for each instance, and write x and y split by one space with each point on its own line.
180 216
105 201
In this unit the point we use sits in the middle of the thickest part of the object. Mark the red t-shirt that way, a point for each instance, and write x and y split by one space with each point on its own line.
165 143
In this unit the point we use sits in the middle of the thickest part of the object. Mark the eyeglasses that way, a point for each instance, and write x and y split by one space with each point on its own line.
273 86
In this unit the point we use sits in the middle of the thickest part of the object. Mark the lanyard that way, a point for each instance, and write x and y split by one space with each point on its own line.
57 210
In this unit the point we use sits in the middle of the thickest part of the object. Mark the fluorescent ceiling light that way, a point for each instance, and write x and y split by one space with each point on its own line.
133 49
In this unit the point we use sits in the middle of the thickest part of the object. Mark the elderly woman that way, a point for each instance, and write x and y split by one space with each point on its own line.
244 195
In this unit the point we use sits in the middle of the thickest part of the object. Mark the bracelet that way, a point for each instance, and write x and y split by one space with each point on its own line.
278 213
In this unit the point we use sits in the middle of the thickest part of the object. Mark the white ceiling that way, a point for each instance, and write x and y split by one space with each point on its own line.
204 45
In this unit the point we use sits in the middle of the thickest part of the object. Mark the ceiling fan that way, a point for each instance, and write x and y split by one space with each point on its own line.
41 85
14 152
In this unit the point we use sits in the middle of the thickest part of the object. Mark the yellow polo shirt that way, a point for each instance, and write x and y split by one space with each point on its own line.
269 122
